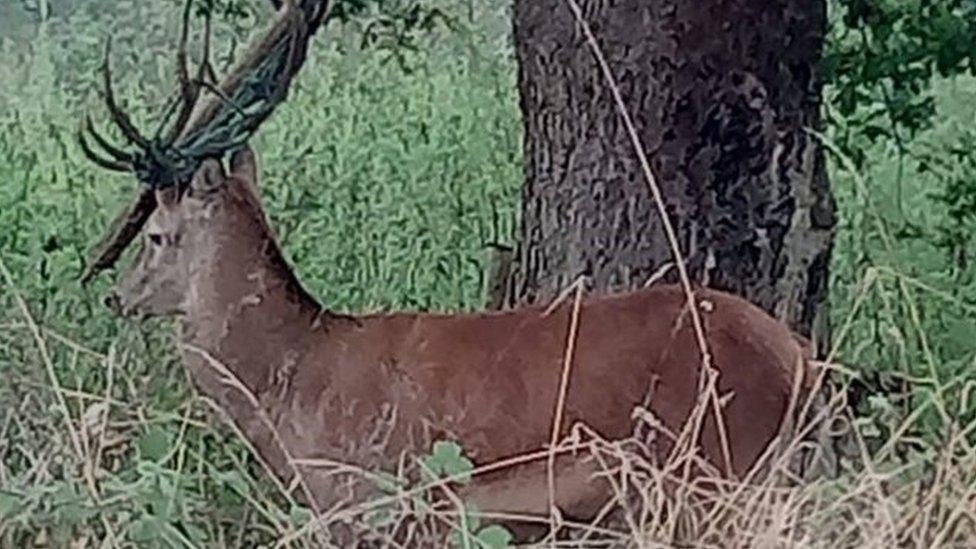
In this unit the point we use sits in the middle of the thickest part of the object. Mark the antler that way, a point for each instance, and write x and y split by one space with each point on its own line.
232 111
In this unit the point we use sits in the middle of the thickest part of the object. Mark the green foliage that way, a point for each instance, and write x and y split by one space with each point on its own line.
954 167
494 537
154 444
472 534
881 59
396 27
447 460
299 515
894 72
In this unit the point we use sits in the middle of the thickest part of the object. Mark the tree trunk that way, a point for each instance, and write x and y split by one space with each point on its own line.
722 93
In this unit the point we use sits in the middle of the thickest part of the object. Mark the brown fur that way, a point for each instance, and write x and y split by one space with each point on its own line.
365 390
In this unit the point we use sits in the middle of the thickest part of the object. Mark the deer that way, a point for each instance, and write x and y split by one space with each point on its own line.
366 389
306 385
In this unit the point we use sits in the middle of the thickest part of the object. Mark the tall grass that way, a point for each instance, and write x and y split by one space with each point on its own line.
385 184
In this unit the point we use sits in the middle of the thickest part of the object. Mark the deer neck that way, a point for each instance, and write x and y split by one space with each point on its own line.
245 309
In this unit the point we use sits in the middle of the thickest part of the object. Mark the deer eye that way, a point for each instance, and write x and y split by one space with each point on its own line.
156 238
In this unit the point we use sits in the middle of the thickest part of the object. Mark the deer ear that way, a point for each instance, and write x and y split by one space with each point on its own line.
244 165
208 178
167 197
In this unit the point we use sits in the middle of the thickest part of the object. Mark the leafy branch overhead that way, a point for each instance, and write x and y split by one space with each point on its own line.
394 26
882 56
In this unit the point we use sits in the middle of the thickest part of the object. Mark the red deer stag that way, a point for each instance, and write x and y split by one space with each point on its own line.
303 383
365 389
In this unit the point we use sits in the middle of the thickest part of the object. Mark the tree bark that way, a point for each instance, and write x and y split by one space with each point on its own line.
722 94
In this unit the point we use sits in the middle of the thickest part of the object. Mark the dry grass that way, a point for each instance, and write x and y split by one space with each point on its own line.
901 491
904 490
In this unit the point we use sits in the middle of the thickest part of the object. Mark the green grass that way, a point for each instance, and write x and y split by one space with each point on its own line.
385 186
919 312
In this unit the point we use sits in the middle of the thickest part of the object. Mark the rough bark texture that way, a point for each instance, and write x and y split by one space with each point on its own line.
722 93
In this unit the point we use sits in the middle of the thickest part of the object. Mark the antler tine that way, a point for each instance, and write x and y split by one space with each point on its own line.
113 151
182 63
113 165
189 90
208 125
297 22
119 116
206 71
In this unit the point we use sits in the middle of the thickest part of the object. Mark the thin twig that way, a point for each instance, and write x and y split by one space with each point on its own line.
669 230
557 417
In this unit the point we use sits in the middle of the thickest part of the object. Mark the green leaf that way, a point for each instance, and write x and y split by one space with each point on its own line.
195 533
299 515
154 444
64 493
494 537
447 460
158 503
145 529
233 480
10 506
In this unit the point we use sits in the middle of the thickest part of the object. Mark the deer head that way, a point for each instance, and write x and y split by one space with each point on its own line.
211 117
156 283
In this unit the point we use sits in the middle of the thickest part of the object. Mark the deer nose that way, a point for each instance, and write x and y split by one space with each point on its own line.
113 302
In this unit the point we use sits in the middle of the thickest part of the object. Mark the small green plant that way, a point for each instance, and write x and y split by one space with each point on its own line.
471 534
447 460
